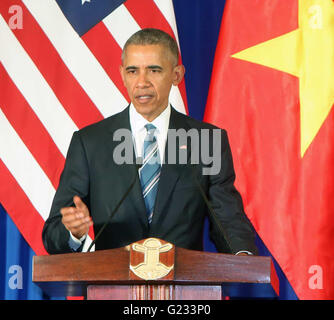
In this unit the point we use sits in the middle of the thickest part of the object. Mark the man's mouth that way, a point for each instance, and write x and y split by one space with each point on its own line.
144 98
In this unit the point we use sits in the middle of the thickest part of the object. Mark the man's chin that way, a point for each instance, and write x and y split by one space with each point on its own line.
146 110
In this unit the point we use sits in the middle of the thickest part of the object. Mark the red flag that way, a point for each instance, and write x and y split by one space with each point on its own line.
272 89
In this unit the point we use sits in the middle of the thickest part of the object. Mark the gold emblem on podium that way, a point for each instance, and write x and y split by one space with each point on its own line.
157 255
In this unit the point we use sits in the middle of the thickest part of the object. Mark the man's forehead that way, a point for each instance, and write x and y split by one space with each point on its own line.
152 54
139 50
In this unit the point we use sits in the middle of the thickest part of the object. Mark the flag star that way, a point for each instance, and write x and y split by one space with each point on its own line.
306 53
84 1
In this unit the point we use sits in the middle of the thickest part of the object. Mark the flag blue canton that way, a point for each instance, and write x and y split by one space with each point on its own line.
84 15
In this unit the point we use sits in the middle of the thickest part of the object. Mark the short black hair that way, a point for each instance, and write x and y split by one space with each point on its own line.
151 36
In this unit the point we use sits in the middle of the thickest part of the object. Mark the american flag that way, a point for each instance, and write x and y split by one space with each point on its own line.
59 72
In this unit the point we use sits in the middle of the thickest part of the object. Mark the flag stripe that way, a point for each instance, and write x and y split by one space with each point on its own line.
167 10
77 57
19 208
177 98
27 172
47 60
139 10
121 16
35 89
30 129
107 51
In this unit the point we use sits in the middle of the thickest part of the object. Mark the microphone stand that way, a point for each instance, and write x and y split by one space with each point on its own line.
138 166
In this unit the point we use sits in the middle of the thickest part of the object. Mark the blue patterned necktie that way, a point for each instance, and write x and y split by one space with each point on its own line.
150 170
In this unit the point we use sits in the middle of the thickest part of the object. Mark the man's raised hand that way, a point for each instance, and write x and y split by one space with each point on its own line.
76 219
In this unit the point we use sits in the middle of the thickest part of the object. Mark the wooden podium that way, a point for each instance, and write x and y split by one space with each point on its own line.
151 269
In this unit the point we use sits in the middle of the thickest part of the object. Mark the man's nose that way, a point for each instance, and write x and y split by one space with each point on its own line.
143 81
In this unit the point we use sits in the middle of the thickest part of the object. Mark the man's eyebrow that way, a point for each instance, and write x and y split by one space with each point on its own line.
148 67
154 67
131 68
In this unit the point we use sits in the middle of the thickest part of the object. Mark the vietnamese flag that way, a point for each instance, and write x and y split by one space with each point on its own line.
272 89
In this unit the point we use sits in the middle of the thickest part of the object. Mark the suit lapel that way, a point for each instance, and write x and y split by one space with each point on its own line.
128 172
170 172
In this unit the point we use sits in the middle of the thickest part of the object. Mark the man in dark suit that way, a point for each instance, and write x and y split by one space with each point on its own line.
165 201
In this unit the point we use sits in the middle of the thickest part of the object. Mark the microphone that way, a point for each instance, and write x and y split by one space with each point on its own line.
213 214
139 163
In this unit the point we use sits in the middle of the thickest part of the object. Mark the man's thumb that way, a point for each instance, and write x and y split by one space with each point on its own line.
79 204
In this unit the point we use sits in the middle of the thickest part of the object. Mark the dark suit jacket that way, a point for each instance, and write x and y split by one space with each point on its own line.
91 173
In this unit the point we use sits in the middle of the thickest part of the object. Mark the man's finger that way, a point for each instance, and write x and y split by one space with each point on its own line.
77 223
76 219
79 204
68 217
68 211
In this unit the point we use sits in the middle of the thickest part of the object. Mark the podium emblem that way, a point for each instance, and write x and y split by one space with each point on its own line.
152 268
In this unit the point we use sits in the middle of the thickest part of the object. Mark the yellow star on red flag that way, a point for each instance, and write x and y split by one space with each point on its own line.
307 53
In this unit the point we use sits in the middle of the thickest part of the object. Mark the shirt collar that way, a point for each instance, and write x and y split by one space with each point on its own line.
137 121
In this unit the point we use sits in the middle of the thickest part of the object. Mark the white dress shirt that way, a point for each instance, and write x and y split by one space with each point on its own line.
137 125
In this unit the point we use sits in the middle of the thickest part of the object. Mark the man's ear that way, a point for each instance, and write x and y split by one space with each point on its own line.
178 74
